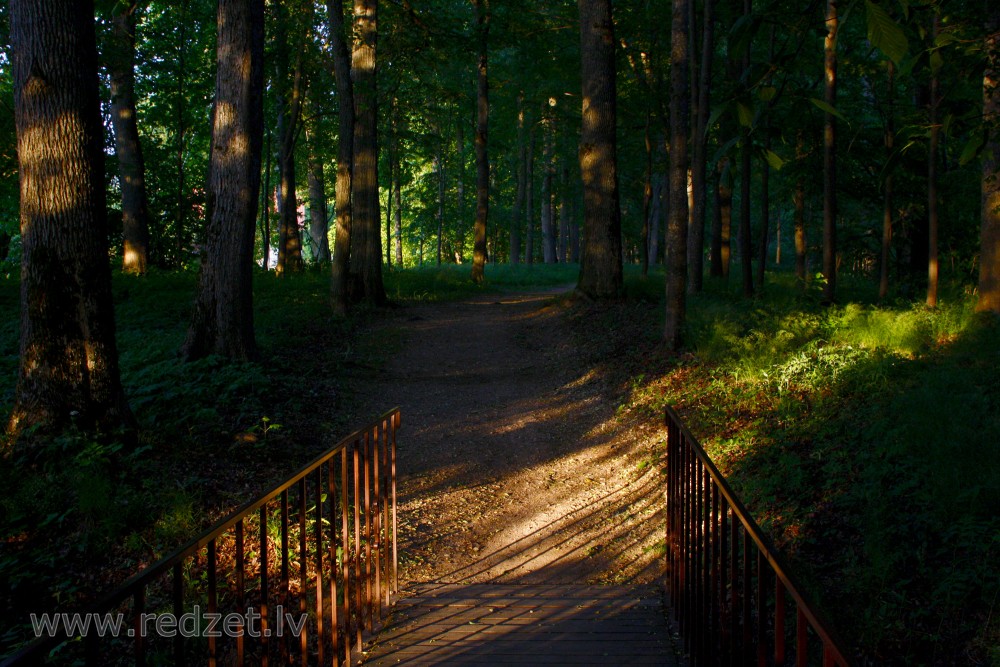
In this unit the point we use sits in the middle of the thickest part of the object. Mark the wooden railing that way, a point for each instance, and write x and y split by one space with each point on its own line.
295 576
730 589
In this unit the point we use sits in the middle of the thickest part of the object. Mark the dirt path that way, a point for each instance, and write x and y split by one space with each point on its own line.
513 465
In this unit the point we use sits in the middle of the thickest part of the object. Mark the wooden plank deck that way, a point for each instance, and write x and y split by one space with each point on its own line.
504 624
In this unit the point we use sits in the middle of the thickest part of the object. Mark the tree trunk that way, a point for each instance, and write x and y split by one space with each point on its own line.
647 195
439 168
131 167
563 246
699 159
520 172
289 113
932 181
366 251
677 225
830 156
529 198
799 201
482 8
265 206
548 232
601 259
989 256
180 139
656 216
397 191
318 218
722 224
68 372
887 195
746 165
460 197
222 322
340 268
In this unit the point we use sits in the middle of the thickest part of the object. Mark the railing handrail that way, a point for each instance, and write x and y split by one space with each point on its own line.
138 581
819 622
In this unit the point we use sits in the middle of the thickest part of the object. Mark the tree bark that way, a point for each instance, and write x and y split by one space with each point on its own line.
563 245
699 149
989 256
746 165
887 194
830 155
519 170
222 322
722 224
397 189
68 372
548 232
529 198
799 202
131 167
439 168
601 252
932 180
366 241
289 114
318 218
340 268
460 196
677 225
482 8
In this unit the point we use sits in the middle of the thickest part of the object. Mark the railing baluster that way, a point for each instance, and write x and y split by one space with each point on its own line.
213 601
264 610
178 600
318 532
801 638
779 623
240 597
359 613
303 575
138 609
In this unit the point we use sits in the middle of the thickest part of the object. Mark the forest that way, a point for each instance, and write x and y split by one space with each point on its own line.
781 218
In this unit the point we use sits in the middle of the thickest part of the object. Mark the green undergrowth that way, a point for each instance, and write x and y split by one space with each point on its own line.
452 281
866 440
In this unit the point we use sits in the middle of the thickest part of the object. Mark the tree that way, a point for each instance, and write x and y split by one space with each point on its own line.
482 8
131 166
222 322
290 84
366 237
340 270
830 154
699 158
678 221
601 254
68 371
989 255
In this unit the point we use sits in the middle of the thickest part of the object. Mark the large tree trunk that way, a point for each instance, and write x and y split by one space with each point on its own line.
830 156
887 194
932 181
989 256
519 171
746 165
68 372
131 167
601 260
482 158
222 322
677 226
366 240
699 149
340 271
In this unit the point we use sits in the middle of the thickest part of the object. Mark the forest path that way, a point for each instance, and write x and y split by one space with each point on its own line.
513 467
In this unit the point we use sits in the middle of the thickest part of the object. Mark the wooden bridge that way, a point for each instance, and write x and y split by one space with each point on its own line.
514 624
323 543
